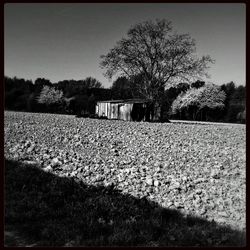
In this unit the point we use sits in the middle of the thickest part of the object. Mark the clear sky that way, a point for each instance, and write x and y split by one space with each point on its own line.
65 41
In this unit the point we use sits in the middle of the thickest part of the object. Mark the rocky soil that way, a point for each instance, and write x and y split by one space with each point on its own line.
198 169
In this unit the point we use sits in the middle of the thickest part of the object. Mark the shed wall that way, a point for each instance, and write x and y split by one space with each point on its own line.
122 111
114 111
127 111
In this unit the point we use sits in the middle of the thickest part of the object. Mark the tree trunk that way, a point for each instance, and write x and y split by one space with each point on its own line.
196 114
152 112
161 114
147 113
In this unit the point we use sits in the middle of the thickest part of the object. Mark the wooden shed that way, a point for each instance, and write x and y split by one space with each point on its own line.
127 110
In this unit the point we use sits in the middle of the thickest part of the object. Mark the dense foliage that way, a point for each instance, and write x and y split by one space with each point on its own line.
68 96
50 95
196 100
159 55
81 96
235 102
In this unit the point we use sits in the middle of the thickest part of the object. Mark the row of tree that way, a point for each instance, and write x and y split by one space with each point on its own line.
195 101
152 62
69 96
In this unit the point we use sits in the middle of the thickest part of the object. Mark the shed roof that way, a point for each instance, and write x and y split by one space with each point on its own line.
124 101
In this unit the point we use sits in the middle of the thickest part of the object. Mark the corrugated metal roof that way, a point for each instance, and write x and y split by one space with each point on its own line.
124 101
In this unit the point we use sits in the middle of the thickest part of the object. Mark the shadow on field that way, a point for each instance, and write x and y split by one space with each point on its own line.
42 209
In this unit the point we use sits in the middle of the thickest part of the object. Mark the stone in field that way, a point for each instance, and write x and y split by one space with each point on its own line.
199 180
203 211
198 191
156 183
55 162
215 174
29 162
149 181
175 185
30 149
178 205
223 214
48 169
99 178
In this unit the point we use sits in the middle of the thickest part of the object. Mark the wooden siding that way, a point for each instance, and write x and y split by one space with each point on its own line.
127 111
120 111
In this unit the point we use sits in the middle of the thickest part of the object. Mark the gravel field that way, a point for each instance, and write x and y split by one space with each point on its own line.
198 169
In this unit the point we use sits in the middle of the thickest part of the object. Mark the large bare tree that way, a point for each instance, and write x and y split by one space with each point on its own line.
159 55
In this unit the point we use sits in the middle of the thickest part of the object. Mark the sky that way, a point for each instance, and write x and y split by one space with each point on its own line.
65 41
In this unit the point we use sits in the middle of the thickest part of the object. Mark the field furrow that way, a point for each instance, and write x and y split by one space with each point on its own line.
195 169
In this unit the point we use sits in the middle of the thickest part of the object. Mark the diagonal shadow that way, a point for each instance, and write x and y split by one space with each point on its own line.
46 210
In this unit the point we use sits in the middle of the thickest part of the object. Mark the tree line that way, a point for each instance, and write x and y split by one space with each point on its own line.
64 97
153 62
164 59
195 101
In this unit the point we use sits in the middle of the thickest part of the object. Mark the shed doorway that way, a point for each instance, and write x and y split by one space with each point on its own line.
138 112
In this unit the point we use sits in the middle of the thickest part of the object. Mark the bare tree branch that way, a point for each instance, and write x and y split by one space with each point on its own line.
158 54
